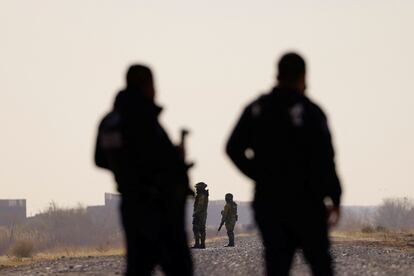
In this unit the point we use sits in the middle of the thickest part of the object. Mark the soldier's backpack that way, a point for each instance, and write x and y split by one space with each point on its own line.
109 142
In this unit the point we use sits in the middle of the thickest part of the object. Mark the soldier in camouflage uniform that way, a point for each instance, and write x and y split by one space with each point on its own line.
200 215
229 218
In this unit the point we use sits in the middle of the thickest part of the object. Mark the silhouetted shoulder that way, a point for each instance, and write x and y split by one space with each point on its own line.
316 114
315 109
133 105
256 108
120 100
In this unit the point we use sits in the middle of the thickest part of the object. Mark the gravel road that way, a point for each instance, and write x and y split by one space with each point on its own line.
351 258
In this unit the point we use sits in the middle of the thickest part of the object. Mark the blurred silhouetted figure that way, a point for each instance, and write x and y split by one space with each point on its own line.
229 218
282 142
200 215
152 178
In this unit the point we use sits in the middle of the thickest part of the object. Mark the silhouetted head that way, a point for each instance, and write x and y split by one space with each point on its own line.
291 72
200 186
228 197
139 78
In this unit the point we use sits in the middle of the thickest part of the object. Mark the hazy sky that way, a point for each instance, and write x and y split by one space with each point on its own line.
61 63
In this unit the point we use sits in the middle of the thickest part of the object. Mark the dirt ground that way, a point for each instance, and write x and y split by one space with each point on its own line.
352 257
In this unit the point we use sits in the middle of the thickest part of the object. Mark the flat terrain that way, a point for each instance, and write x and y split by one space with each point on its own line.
352 257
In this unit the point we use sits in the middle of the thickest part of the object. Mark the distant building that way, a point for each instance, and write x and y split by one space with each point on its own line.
108 213
112 200
12 211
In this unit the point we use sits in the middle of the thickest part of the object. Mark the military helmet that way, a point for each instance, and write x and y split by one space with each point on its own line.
229 196
201 185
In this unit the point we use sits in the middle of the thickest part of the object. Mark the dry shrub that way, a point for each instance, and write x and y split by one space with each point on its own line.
22 249
396 214
368 229
57 228
103 247
381 228
4 240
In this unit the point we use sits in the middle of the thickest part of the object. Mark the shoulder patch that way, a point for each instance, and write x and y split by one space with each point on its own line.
296 114
256 108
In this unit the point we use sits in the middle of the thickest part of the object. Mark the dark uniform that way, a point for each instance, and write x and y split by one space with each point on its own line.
152 179
283 143
229 217
200 215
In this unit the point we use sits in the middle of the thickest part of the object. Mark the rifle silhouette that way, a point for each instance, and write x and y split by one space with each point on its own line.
184 134
221 225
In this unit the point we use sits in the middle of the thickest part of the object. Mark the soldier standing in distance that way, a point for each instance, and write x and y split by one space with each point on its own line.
282 142
151 174
229 218
200 215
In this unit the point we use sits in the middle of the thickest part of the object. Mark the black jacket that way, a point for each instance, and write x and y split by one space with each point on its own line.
283 143
150 162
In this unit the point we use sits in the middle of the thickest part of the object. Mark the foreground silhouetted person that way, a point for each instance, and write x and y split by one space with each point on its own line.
200 215
152 178
282 142
229 218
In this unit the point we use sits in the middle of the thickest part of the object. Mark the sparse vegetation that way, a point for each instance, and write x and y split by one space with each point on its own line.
57 232
381 228
368 229
394 214
22 249
58 228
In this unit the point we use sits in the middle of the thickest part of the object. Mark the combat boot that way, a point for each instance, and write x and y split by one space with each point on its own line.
231 240
203 243
196 244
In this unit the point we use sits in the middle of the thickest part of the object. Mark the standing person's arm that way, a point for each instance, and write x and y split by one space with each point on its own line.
324 163
205 203
240 142
225 213
333 186
223 217
235 212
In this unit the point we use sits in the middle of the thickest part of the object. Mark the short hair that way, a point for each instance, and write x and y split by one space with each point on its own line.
290 67
138 75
